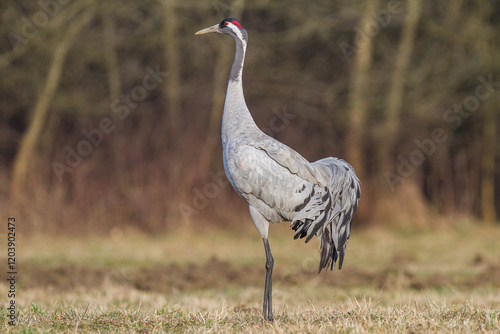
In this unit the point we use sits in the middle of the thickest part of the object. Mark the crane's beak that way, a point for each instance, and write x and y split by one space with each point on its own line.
214 28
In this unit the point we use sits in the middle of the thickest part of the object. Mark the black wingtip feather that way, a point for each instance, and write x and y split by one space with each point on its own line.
341 260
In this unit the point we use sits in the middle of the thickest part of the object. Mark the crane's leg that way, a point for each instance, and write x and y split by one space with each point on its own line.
267 309
262 226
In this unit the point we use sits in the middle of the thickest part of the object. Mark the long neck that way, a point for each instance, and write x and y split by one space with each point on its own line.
236 120
240 47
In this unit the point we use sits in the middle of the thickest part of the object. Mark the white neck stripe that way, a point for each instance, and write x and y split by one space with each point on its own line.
238 33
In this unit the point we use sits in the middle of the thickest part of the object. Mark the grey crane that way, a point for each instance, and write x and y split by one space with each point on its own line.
279 185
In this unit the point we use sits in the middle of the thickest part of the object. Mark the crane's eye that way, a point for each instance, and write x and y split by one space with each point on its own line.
225 23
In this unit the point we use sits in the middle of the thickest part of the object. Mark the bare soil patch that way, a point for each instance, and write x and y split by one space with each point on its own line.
218 274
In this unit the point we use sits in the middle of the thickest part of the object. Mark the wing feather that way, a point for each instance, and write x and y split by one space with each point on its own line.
344 186
267 179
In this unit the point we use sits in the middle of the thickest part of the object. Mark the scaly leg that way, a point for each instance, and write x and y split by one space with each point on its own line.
267 310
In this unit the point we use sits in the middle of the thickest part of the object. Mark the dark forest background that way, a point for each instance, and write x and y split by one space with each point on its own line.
110 111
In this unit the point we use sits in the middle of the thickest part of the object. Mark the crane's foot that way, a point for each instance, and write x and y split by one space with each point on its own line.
267 313
267 309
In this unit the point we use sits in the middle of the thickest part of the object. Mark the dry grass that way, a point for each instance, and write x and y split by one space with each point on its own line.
444 280
352 317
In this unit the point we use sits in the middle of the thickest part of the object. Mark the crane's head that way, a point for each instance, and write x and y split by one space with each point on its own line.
231 27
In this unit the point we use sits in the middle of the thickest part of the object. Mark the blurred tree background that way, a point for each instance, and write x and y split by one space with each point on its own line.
110 111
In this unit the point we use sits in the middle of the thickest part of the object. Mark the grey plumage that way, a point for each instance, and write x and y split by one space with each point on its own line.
318 198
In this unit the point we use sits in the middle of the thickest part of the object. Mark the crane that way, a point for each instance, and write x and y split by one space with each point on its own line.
318 198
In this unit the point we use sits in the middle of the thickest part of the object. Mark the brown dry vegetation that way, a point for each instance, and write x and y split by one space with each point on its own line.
346 78
198 281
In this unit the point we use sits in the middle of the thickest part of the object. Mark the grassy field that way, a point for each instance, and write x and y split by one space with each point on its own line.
399 280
